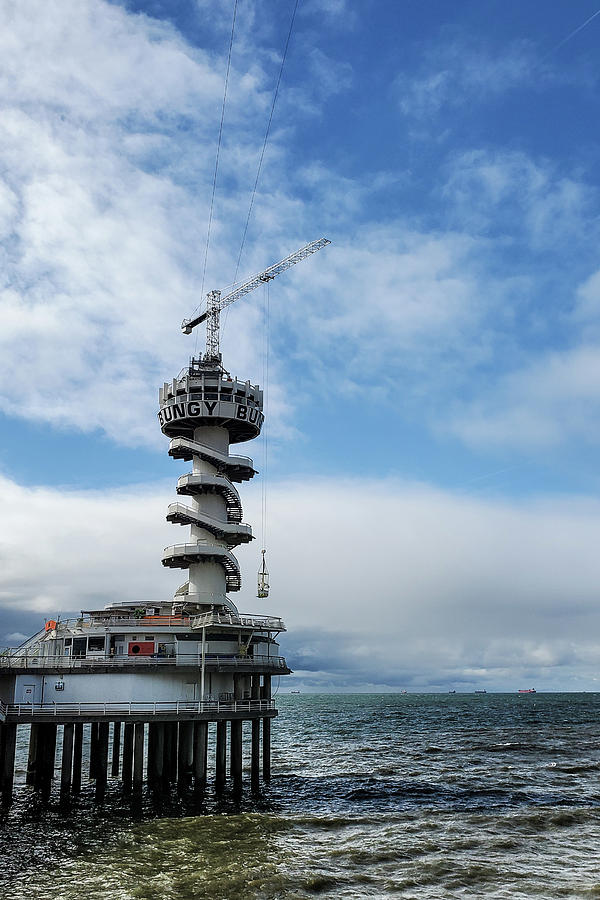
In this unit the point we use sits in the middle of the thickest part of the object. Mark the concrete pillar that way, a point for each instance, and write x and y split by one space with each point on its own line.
170 764
46 756
77 756
93 748
255 757
116 749
185 756
66 767
221 756
32 758
266 695
138 757
7 774
101 760
200 754
255 760
127 756
266 749
236 754
156 753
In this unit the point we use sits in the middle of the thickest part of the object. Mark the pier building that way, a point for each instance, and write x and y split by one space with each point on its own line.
135 686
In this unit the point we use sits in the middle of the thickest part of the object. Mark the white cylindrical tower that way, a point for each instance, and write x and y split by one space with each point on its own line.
203 411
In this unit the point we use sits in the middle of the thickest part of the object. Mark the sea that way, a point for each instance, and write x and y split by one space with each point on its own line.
372 795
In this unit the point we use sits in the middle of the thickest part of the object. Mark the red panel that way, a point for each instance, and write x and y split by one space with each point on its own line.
141 648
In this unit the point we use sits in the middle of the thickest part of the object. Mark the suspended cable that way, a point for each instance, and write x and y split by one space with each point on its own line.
265 478
214 184
264 146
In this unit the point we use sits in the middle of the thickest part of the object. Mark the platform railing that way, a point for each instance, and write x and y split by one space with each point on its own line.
33 661
260 623
135 708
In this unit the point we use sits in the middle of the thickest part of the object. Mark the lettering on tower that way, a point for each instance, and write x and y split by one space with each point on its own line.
202 409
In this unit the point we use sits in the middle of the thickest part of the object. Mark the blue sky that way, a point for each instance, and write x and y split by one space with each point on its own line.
434 379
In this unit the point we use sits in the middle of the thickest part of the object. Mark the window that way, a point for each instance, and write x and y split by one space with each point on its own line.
96 643
148 637
68 642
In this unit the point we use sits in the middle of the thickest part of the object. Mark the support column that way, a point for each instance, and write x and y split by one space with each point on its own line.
171 751
138 757
116 749
156 753
101 760
32 758
77 756
127 756
66 768
266 695
236 754
93 748
46 756
185 756
8 744
221 756
200 754
255 758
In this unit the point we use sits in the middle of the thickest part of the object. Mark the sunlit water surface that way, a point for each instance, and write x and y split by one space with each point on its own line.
416 796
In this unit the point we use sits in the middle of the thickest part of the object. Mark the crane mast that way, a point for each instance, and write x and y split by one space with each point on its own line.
215 303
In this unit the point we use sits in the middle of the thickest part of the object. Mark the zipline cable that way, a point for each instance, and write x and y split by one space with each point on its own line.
214 184
264 146
265 478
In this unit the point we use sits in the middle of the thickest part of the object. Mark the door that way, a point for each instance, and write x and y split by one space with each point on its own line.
29 693
190 691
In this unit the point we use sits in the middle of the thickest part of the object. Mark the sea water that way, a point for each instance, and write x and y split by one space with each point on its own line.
383 795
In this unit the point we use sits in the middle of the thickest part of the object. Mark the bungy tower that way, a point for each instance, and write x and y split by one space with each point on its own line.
152 676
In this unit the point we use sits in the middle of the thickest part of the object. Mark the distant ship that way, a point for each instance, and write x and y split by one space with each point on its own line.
527 691
451 692
294 692
481 692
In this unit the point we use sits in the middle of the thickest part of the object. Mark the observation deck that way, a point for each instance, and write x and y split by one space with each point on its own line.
203 395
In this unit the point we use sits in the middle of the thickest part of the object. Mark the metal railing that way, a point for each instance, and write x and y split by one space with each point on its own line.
32 661
260 623
135 708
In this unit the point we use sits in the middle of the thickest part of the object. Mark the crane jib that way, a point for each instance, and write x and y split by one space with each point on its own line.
215 303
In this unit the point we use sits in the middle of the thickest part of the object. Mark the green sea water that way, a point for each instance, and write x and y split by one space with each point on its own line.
415 796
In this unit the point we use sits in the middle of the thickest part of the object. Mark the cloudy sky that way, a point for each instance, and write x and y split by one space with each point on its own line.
433 375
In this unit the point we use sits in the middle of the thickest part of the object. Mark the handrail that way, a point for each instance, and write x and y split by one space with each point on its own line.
137 707
31 661
263 623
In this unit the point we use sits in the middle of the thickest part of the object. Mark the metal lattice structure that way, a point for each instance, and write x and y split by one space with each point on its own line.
215 303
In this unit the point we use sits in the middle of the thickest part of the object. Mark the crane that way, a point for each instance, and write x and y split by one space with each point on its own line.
215 303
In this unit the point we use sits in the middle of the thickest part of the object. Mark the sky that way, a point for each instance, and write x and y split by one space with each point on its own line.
432 376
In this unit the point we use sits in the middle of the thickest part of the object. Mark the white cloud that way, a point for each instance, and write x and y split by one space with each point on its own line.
554 400
457 71
379 581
